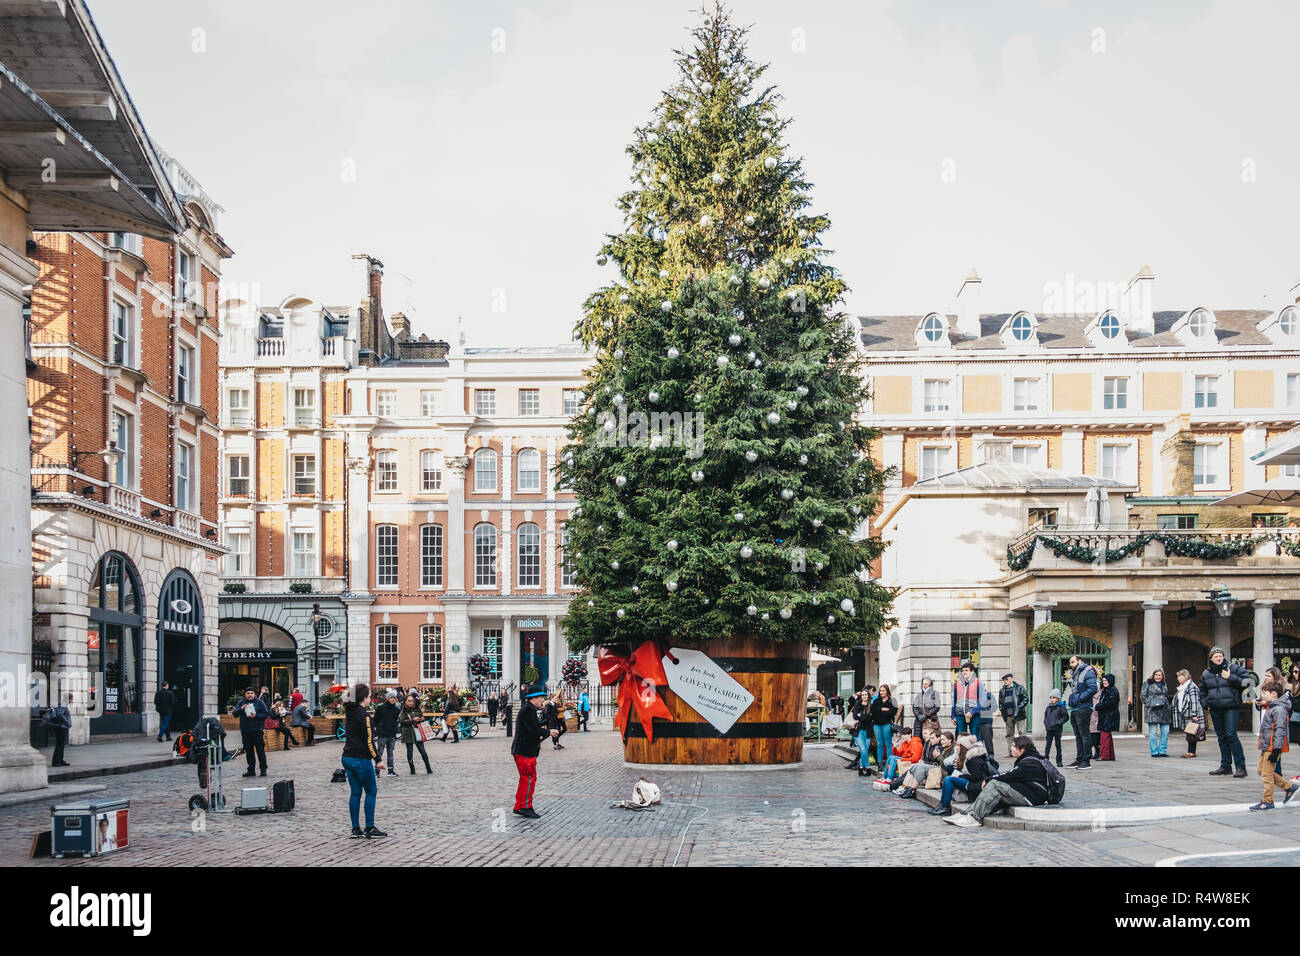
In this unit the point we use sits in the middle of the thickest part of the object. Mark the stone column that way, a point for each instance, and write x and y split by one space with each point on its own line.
1153 645
1263 649
455 664
1042 680
553 648
1119 660
358 544
456 544
1019 638
509 652
21 767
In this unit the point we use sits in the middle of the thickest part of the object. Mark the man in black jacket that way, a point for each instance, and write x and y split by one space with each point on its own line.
1221 685
527 744
493 704
252 713
507 708
385 726
164 702
1024 785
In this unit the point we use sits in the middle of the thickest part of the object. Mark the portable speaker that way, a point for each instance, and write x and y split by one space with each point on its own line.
282 799
252 800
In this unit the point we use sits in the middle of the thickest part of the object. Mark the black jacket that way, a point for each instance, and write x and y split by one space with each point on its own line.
1054 717
492 705
164 701
883 712
1028 776
1108 711
257 721
1013 701
384 722
1219 693
360 741
529 732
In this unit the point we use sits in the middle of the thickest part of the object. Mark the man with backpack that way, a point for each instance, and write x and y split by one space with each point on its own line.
1013 702
1032 782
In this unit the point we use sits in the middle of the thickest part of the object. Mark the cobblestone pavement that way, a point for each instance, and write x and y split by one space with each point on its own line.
816 814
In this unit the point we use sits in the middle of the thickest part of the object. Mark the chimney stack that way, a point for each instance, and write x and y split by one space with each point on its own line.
968 306
1135 306
401 326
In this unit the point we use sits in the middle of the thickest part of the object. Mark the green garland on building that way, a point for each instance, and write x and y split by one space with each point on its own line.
1175 546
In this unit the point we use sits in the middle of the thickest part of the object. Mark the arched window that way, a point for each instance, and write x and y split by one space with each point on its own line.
430 653
1109 326
1288 320
431 471
485 470
386 652
386 556
113 645
485 556
530 470
1022 328
1199 323
528 542
933 328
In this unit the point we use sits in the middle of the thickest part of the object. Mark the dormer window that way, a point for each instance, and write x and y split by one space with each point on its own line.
932 332
1200 323
1288 320
1106 332
1196 329
1021 328
1109 326
1282 327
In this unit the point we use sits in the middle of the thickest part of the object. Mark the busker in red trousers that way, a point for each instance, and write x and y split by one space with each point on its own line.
529 734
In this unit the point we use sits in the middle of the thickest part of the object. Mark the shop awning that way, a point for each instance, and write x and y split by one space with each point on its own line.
1284 450
1279 491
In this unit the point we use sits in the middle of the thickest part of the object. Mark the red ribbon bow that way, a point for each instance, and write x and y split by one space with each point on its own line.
646 670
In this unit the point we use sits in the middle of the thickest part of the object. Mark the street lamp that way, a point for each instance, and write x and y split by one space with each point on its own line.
316 618
110 453
1223 600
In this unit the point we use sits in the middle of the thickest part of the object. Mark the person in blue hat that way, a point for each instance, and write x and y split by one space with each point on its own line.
529 734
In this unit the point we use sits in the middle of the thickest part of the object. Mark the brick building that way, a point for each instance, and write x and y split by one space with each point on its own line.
122 386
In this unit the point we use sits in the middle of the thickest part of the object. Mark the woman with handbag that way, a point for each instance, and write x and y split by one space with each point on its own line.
861 715
1157 713
414 732
883 710
1189 711
451 715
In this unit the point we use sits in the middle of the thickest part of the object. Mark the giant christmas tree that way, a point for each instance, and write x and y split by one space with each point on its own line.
721 471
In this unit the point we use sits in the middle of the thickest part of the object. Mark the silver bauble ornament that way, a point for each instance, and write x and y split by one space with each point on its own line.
785 613
802 390
591 604
665 306
673 353
601 260
672 545
618 399
764 282
830 618
765 616
722 361
705 222
717 179
614 565
817 522
623 298
620 612
652 138
609 424
664 273
846 605
773 418
620 481
770 162
749 220
706 88
792 404
671 586
767 137
636 589
803 459
697 476
746 552
787 494
653 397
734 280
751 356
751 610
788 261
739 516
618 353
733 339
751 456
855 509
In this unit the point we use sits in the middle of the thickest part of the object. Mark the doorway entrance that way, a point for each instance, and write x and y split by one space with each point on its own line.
534 656
180 668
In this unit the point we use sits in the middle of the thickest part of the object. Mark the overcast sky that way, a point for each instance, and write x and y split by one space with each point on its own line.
1045 143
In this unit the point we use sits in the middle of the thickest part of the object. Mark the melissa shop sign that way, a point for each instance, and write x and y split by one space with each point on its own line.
529 622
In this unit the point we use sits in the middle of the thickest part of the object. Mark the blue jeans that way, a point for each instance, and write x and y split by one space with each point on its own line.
361 776
864 744
1158 738
884 742
164 726
951 783
1225 726
891 767
968 725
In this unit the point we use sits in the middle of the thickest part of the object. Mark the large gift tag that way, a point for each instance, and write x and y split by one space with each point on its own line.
712 692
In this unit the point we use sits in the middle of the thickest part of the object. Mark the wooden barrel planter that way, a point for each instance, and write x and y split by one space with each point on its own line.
771 731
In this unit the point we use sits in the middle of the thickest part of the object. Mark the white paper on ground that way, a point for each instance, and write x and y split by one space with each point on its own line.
711 692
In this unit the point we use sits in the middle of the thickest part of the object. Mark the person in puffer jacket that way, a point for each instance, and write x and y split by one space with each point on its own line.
1272 744
1221 685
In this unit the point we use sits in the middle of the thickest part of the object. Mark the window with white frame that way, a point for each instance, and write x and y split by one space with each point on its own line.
122 352
1293 391
304 554
238 410
386 555
485 401
1114 392
935 460
304 476
124 439
933 328
530 402
528 542
430 471
304 407
1031 456
1024 394
431 556
568 573
386 471
1115 461
187 275
485 470
936 395
428 403
1209 465
185 476
1022 328
430 653
385 402
572 401
1199 323
386 652
1290 471
485 556
492 646
1109 326
237 478
185 374
1205 391
237 561
530 470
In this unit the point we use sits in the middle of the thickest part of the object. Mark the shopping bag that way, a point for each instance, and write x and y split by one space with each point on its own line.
424 730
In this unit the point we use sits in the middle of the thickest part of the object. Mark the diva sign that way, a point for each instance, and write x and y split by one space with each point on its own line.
712 692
